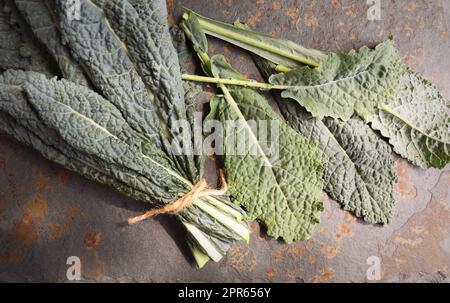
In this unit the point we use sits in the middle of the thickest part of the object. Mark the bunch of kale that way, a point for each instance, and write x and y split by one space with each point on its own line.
114 116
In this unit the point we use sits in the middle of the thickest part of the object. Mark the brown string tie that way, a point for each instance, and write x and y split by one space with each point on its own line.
199 190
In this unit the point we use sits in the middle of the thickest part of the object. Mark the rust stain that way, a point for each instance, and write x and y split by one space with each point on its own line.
91 240
170 17
271 272
242 259
72 214
40 180
312 259
350 218
321 230
292 251
325 275
226 5
22 234
344 230
56 231
254 226
409 242
63 177
24 230
276 5
410 7
37 207
93 264
340 24
417 243
291 274
254 18
296 251
227 49
278 255
97 264
404 186
310 244
294 14
336 3
329 251
350 11
311 20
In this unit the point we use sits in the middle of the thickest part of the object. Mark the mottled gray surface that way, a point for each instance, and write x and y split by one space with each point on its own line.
48 214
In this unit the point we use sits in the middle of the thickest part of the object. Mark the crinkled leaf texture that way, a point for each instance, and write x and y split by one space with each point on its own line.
20 121
378 87
126 49
41 17
74 126
91 125
361 169
282 191
10 42
374 84
276 177
19 48
417 122
343 84
128 135
275 173
358 164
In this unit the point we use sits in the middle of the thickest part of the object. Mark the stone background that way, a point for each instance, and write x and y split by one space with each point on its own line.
48 213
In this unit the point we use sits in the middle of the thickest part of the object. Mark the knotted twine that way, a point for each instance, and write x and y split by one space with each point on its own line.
199 190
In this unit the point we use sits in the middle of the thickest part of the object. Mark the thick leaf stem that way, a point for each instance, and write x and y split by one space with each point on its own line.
210 27
266 86
282 69
219 211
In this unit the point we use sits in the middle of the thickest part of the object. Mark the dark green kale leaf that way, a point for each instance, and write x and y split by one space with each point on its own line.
41 17
19 48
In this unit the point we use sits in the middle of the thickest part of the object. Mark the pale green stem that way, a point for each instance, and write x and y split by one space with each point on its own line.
224 207
218 210
282 69
241 229
203 56
200 257
266 86
204 242
232 35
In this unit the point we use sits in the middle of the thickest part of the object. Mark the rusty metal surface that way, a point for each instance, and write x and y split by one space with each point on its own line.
48 214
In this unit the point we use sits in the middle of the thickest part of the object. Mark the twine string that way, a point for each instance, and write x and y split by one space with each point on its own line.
199 190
